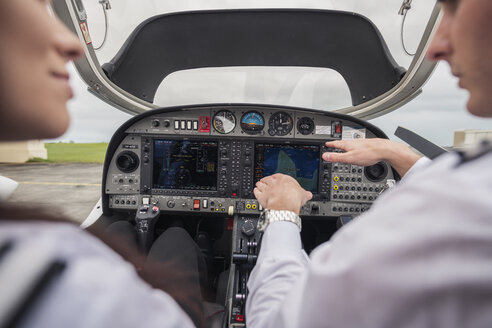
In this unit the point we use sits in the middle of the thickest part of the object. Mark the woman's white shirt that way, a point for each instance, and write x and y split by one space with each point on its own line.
96 289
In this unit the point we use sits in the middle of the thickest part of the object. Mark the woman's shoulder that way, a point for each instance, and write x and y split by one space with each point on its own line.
18 230
93 277
64 239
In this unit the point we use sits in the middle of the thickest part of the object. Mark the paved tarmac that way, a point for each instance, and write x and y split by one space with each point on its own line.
71 189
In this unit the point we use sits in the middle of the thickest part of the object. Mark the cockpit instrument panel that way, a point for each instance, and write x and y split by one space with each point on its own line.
167 157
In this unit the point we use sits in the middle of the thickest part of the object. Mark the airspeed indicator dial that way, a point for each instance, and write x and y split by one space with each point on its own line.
224 121
280 124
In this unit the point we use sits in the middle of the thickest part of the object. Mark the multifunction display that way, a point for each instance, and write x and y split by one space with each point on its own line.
185 165
299 161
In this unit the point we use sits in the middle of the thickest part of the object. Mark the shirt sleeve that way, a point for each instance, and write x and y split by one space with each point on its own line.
418 258
280 263
421 163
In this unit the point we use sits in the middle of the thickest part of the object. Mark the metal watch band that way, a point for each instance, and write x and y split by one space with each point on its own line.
268 216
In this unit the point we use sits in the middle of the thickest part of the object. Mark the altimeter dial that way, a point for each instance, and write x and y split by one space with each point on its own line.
280 124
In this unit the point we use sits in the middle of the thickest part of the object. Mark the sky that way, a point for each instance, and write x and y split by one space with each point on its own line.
435 114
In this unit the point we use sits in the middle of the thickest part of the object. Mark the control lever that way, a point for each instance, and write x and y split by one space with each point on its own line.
241 258
145 220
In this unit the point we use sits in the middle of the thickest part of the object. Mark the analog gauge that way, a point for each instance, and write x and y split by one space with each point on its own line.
305 125
224 121
280 124
252 122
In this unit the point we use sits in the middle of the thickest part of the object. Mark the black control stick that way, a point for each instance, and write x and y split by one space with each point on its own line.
145 220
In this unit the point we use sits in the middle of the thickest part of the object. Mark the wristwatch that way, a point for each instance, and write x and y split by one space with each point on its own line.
268 216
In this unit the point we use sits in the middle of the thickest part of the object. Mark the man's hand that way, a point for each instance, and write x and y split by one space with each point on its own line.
281 192
370 151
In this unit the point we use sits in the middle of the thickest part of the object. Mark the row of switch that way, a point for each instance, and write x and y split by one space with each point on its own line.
354 197
219 207
358 188
336 178
186 125
214 207
196 204
125 201
345 208
347 169
123 181
128 202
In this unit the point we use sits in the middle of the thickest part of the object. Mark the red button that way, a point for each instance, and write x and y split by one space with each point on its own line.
196 204
234 194
239 317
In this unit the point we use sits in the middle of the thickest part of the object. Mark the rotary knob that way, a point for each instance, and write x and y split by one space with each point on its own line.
127 161
248 228
155 123
376 172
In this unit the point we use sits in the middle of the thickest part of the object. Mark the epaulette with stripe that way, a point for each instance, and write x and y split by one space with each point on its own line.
474 153
26 273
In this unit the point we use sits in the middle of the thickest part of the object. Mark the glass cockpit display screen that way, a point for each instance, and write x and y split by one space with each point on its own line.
185 165
299 161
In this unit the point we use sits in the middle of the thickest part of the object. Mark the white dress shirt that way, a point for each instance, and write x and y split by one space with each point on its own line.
96 289
420 257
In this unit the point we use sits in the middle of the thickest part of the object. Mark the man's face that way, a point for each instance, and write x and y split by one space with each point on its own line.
464 40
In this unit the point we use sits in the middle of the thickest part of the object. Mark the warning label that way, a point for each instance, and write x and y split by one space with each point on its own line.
85 32
351 133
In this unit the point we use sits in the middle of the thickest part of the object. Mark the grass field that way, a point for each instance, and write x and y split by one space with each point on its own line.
75 152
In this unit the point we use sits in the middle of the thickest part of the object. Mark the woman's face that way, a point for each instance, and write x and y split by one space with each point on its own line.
34 89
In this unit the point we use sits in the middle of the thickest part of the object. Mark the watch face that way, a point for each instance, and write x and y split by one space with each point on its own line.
262 221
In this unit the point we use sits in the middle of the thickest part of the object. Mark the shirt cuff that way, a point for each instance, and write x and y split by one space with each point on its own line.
419 164
281 237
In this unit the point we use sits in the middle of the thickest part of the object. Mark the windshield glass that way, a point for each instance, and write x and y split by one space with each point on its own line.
319 88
